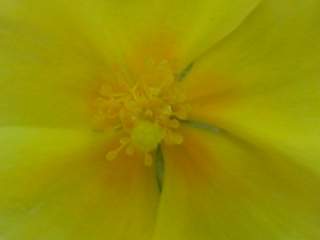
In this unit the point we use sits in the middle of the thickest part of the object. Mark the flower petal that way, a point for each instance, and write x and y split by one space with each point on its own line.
194 25
56 184
265 83
44 79
49 70
53 52
219 187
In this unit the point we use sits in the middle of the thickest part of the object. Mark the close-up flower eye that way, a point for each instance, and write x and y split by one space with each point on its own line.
160 120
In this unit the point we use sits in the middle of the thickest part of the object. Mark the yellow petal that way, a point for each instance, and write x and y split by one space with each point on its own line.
266 80
56 184
219 187
45 80
194 25
42 83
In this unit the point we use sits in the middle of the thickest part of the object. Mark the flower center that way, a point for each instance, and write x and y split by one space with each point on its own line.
146 110
146 136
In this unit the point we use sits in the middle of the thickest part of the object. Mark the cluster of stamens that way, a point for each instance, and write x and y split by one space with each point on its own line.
145 112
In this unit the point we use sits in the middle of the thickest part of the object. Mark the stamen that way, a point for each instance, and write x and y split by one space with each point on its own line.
148 112
114 153
148 159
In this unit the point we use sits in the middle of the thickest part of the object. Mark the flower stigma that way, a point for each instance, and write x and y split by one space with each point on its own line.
144 109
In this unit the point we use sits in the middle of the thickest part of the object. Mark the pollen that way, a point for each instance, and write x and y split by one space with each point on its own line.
145 110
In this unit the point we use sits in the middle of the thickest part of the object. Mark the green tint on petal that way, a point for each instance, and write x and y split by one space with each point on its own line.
159 167
57 184
267 87
220 187
199 25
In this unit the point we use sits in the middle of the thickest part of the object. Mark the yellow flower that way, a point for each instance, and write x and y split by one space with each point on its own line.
159 120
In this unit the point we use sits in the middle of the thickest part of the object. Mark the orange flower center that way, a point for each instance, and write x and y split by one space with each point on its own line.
146 111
